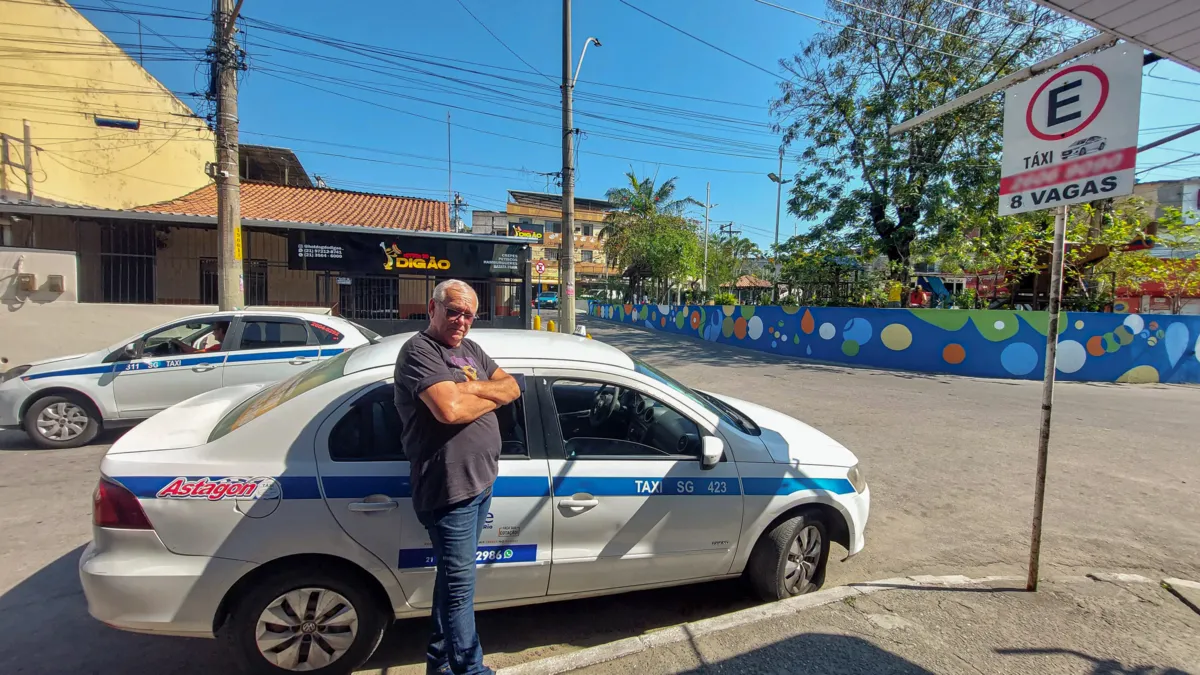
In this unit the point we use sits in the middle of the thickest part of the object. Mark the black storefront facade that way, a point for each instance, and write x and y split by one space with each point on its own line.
381 278
384 280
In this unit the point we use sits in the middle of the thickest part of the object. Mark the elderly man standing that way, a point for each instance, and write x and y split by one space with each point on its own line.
446 390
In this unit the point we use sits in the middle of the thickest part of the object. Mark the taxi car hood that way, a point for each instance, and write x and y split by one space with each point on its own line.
59 362
186 424
789 440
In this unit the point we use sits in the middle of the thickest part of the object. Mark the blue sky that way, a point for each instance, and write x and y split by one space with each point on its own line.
287 96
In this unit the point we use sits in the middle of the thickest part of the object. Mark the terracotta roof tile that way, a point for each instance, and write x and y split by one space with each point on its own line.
264 201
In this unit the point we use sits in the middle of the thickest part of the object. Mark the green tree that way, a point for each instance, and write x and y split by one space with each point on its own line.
848 87
1179 270
647 229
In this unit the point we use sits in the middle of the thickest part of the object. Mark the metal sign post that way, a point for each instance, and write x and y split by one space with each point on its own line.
1070 136
1039 488
540 268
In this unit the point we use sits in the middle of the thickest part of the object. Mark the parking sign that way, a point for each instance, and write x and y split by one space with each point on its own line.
1070 136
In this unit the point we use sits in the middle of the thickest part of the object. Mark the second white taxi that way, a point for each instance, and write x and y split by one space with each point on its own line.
279 518
65 401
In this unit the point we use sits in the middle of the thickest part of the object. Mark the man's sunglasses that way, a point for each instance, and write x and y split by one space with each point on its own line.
453 314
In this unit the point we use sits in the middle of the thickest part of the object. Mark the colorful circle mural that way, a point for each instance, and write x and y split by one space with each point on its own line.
739 328
1071 356
858 329
755 327
1019 358
954 354
850 348
896 337
828 331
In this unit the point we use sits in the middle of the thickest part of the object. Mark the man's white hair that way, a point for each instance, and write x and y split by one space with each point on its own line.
439 291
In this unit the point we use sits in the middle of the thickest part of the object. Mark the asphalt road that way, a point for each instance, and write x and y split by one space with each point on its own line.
950 462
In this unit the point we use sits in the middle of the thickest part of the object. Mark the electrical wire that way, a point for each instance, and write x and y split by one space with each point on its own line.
918 23
697 39
502 43
867 32
1007 18
1176 98
1194 154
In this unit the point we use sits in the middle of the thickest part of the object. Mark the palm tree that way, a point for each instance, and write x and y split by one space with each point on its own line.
640 204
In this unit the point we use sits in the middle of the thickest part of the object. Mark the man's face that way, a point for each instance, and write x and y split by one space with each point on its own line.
219 332
450 321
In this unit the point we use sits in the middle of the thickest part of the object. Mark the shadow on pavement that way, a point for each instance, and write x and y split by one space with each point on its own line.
535 631
47 628
1099 666
18 441
815 653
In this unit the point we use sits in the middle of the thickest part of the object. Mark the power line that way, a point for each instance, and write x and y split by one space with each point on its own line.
867 32
1006 18
697 39
917 23
1172 79
1177 98
1176 161
502 43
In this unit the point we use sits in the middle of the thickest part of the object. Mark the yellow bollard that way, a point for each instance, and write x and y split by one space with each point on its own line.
550 325
589 336
537 322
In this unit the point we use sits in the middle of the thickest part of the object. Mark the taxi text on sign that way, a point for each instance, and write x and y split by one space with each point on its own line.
1070 136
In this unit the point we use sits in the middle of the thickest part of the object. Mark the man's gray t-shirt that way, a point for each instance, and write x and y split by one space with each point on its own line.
450 463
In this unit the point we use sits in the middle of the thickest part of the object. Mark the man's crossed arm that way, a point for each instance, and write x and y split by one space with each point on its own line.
465 402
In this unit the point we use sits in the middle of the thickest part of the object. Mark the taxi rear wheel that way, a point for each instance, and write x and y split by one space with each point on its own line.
55 422
790 559
304 621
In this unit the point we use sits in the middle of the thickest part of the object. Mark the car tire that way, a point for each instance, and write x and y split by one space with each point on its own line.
314 587
775 571
61 421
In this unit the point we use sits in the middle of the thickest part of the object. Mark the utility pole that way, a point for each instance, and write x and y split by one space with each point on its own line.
566 261
1039 487
227 62
707 205
778 195
449 173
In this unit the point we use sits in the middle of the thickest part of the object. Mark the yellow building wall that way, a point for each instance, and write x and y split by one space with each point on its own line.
594 243
77 162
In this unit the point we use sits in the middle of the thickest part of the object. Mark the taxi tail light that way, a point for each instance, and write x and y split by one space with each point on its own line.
113 505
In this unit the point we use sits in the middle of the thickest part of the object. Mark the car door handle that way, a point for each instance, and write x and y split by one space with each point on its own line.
579 503
373 507
299 361
203 368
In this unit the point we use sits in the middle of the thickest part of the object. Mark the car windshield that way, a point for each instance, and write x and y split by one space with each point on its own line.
275 395
369 334
712 404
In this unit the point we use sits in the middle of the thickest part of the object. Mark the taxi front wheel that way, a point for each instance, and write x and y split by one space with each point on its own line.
55 422
304 621
790 559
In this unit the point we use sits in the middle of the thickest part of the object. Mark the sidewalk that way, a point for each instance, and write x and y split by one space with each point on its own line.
1098 625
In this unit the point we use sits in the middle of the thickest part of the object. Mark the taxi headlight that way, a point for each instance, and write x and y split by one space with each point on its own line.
13 373
857 479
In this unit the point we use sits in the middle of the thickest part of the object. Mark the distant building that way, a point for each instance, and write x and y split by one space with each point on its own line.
537 218
489 222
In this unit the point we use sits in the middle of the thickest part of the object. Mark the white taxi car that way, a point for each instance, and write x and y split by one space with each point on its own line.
64 402
279 518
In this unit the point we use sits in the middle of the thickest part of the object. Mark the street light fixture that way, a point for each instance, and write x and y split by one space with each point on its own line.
775 177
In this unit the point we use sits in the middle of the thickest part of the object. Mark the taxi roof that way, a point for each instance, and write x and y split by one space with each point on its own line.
503 344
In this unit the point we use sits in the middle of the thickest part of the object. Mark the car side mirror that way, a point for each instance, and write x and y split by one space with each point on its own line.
130 350
712 449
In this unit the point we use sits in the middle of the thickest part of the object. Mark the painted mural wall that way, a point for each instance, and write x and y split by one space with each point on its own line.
1136 348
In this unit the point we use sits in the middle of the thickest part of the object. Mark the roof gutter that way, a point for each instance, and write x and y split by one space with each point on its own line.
86 213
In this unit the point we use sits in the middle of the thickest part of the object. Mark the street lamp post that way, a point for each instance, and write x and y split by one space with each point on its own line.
567 259
777 178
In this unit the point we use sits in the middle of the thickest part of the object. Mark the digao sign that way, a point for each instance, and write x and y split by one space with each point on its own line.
352 253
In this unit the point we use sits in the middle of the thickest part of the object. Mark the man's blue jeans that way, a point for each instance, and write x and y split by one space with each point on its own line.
455 530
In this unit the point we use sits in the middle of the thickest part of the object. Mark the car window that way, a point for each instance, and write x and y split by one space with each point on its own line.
715 406
371 430
272 396
369 334
272 334
325 334
185 338
599 420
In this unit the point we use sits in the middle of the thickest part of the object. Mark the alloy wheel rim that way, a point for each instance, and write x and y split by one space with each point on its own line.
802 558
306 629
62 421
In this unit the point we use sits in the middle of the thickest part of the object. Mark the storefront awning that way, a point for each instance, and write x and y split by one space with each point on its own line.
1170 28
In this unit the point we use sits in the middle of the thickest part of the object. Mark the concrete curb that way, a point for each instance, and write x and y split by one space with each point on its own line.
614 650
